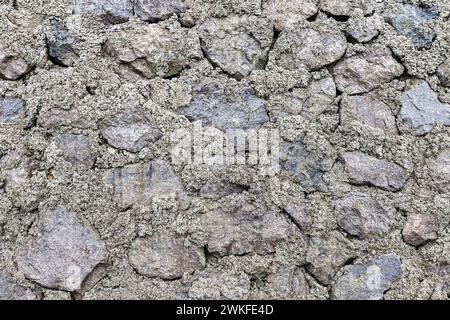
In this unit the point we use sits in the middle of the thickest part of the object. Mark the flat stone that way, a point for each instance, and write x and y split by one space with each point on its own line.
109 11
166 255
368 281
286 14
367 170
360 215
422 110
61 44
237 44
443 73
158 10
9 290
366 71
420 229
12 65
12 110
63 253
76 149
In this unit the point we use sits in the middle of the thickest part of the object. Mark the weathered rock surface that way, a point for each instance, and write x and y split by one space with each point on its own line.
158 10
220 190
286 14
420 228
362 29
61 44
166 255
63 253
443 73
326 254
12 291
76 149
366 71
360 215
237 44
12 65
12 110
422 110
299 215
286 282
367 170
440 167
368 281
109 11
339 8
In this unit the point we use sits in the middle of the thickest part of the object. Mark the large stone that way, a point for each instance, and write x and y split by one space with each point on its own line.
422 110
12 65
326 254
9 290
237 44
368 281
166 255
286 14
360 215
411 21
366 71
443 73
12 110
369 111
76 149
420 229
131 130
245 230
314 48
158 10
154 51
63 253
109 11
61 44
140 184
367 170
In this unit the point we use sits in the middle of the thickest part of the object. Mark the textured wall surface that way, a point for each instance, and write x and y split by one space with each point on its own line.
95 204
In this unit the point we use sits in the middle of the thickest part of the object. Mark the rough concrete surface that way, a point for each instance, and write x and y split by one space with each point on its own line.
93 204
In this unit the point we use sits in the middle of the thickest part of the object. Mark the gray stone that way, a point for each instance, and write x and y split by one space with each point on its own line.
286 14
166 255
299 215
440 168
9 290
443 73
63 253
57 117
12 65
286 282
61 44
367 170
363 29
326 254
158 10
246 229
210 105
411 21
220 190
12 110
420 229
369 111
366 71
109 11
360 215
339 8
140 184
422 110
131 130
237 44
368 281
76 149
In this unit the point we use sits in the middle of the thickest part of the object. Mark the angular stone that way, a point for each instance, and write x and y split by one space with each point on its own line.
440 167
12 110
131 130
63 253
367 170
166 255
154 51
76 149
360 215
411 21
140 184
219 190
158 10
443 73
420 228
56 117
297 212
286 282
368 281
245 230
211 105
313 48
237 44
338 8
370 111
327 254
12 65
286 14
422 110
363 29
12 291
366 71
61 44
110 11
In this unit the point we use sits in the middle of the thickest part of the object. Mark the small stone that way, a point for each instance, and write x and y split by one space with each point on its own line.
286 14
131 130
327 254
440 167
297 212
366 71
245 230
367 170
12 65
443 73
109 11
12 291
61 44
422 110
411 21
420 229
76 149
166 255
158 10
369 111
63 253
237 44
12 110
220 190
313 48
363 29
360 215
368 281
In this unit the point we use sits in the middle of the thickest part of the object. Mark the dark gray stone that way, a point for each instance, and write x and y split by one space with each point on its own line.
158 10
12 110
109 11
61 44
76 149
